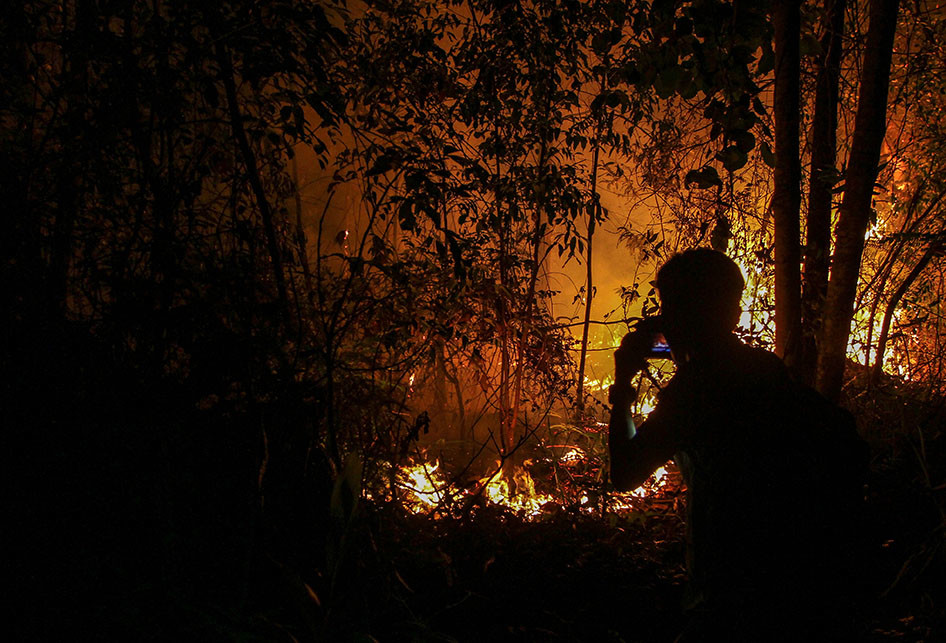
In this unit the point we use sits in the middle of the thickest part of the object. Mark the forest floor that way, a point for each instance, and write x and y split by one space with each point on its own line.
572 577
566 577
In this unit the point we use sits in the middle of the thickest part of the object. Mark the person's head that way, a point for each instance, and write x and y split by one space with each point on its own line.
700 290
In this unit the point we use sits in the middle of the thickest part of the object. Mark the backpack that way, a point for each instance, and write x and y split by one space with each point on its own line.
840 457
838 466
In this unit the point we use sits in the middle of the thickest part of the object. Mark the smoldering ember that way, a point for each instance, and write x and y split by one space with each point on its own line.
492 320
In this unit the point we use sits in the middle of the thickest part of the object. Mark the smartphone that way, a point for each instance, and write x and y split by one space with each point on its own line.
659 349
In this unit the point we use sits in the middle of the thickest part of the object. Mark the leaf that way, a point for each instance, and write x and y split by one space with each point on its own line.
616 10
406 216
689 87
809 45
768 157
722 233
615 98
744 140
401 580
668 80
382 164
312 595
758 107
732 158
630 73
347 489
706 177
766 61
601 43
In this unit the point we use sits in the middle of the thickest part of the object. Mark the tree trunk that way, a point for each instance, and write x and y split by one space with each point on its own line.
823 176
869 130
593 212
786 198
507 429
589 283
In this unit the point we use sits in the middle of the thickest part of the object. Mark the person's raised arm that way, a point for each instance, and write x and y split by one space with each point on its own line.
634 455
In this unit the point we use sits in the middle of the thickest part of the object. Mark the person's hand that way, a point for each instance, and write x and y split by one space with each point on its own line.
631 356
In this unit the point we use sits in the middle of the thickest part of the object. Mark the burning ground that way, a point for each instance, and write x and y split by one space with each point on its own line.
465 558
486 566
499 574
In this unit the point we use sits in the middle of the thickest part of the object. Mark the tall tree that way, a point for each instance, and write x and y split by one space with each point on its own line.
823 177
855 213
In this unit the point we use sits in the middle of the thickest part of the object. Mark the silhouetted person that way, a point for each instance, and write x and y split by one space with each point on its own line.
767 503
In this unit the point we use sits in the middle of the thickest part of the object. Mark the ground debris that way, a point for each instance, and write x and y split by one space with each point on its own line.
566 578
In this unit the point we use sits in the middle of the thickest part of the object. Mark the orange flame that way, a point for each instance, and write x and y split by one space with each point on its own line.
523 499
423 485
424 488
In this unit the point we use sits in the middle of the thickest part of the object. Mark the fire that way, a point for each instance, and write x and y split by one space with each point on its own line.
656 481
572 455
756 318
647 405
424 486
662 484
599 385
523 499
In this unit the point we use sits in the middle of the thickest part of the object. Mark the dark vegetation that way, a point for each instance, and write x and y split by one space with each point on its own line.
203 384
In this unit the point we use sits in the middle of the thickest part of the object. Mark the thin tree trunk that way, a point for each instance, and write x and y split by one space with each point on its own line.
931 252
593 208
869 129
506 423
823 176
786 199
529 316
589 288
252 171
302 244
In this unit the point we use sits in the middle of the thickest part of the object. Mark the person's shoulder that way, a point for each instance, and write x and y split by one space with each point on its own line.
760 362
757 353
